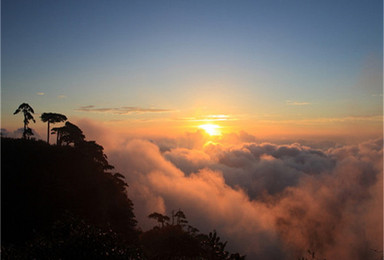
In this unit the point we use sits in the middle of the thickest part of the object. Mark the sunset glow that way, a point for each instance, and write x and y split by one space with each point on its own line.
262 120
211 129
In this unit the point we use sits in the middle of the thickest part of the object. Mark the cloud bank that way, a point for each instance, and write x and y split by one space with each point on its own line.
122 110
18 133
269 201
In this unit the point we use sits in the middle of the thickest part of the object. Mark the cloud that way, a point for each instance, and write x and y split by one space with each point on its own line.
4 132
122 110
161 186
97 130
61 96
269 201
377 118
19 133
208 118
327 120
40 93
295 103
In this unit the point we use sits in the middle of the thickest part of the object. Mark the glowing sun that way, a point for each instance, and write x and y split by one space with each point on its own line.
211 129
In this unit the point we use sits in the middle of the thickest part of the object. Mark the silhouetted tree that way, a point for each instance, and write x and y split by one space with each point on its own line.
57 179
119 179
28 132
159 217
192 230
215 249
58 131
27 110
71 237
180 218
52 118
172 241
95 151
69 133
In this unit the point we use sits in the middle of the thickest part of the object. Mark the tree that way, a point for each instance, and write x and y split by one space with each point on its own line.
159 217
173 241
95 151
52 118
73 134
69 133
39 194
180 218
59 132
27 132
27 111
215 249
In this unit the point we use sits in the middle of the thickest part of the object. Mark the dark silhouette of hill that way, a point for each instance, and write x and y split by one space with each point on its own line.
63 202
177 239
47 189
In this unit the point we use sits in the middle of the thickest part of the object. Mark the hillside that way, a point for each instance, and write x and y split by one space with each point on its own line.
63 202
45 187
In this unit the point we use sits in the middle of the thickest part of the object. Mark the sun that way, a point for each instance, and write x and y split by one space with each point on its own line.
211 129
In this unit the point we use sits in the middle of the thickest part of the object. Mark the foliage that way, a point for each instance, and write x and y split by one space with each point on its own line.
94 151
41 182
62 202
181 219
72 238
52 118
162 219
170 242
214 249
27 111
68 134
178 241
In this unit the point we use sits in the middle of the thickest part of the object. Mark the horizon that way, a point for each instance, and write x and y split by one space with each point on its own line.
261 119
265 68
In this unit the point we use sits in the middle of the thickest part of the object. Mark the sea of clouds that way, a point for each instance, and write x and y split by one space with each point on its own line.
269 200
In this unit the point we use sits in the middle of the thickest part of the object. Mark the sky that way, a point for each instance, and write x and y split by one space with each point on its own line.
270 68
260 119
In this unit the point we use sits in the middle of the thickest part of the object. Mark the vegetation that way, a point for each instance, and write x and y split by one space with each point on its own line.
42 184
52 118
64 202
72 238
69 134
181 241
27 111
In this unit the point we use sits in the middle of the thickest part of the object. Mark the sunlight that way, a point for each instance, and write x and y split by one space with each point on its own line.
211 129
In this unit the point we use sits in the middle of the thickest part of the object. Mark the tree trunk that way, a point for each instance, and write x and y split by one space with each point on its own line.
57 138
25 130
48 133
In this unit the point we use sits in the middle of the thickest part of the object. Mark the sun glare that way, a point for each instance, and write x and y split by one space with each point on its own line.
211 129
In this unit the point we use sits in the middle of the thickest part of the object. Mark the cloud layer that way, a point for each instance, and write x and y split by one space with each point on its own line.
122 110
18 133
270 201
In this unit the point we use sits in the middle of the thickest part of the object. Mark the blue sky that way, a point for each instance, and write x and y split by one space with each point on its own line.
219 57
